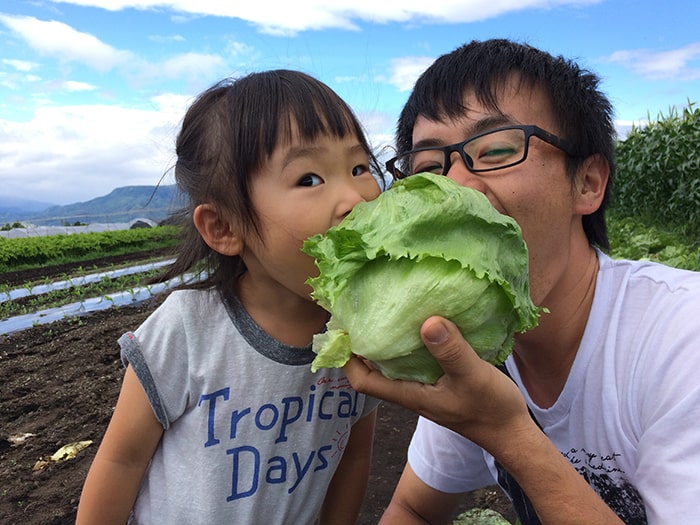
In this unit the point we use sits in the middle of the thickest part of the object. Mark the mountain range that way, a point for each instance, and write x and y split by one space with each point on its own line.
120 205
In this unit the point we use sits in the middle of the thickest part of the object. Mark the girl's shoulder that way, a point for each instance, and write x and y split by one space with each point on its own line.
191 299
182 306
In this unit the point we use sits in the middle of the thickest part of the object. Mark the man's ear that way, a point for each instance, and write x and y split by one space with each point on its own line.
216 231
593 179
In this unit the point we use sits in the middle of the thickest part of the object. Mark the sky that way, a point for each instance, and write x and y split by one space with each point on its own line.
92 92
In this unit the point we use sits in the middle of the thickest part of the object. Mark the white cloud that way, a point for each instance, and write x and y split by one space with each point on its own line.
74 85
240 50
405 71
160 39
187 65
20 65
289 18
74 153
58 40
682 63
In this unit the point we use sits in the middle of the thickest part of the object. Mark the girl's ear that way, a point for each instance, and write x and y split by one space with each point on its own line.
594 174
216 231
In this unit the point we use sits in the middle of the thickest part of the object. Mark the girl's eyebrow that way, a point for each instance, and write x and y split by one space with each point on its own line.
357 148
297 152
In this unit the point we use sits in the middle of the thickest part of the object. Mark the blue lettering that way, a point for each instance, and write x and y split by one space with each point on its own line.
273 418
310 411
301 471
322 459
345 406
211 398
321 413
286 418
278 464
236 453
236 416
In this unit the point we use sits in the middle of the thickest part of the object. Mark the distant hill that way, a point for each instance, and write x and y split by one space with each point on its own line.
121 205
12 210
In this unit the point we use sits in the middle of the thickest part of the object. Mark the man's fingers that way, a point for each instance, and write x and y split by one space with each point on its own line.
370 381
445 342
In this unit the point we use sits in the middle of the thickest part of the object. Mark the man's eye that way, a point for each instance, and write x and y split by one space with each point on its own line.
310 180
427 167
495 152
427 162
498 153
359 170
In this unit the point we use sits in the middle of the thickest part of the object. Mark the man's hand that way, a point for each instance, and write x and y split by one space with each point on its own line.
472 398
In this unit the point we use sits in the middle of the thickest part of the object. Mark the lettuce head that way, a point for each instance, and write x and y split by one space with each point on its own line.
427 246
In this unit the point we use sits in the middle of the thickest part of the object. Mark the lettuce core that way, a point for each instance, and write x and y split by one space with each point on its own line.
427 246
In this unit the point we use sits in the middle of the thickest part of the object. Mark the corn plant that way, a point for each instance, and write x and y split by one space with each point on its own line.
658 172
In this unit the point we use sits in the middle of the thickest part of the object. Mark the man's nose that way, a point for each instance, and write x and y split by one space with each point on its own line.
459 173
456 166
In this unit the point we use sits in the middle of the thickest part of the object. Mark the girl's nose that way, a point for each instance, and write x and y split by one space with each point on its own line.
355 192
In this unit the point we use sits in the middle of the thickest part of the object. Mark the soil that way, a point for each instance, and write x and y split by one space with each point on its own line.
59 383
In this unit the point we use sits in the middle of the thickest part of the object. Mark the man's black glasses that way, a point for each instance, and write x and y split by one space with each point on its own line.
493 150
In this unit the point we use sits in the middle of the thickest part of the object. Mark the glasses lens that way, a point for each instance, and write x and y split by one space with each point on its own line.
426 161
413 162
490 151
398 166
497 149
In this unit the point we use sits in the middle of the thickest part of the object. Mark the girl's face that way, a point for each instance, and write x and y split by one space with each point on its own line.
304 189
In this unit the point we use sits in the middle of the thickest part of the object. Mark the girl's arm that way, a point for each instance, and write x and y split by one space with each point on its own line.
114 478
347 488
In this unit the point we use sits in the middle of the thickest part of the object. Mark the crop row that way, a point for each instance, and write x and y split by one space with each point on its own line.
79 292
30 251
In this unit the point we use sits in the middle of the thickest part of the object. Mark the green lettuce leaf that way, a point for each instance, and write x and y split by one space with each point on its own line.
427 246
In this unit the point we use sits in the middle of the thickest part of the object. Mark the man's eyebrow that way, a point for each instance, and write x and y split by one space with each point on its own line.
428 143
489 123
480 126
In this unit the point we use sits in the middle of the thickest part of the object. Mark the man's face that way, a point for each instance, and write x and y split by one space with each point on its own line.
537 193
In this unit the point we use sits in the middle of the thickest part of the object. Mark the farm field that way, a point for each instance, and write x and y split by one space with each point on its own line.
60 382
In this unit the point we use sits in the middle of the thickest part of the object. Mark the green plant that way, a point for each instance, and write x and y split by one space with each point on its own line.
474 272
658 172
32 252
634 238
55 298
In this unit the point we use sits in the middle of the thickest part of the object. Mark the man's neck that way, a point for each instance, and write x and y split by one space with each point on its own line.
544 355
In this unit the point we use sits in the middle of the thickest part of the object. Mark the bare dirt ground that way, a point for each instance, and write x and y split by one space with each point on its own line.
59 383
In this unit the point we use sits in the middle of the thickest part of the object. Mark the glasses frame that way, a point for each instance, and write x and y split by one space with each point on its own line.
529 130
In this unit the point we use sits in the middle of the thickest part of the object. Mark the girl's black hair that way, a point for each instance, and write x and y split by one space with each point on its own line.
583 112
227 135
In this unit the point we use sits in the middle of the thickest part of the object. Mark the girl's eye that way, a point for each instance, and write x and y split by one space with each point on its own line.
310 180
359 170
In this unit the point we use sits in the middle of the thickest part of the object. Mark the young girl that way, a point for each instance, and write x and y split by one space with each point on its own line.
220 419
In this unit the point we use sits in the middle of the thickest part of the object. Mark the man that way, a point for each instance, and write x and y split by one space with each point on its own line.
609 374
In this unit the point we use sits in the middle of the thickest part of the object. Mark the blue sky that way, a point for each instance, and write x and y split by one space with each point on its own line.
92 91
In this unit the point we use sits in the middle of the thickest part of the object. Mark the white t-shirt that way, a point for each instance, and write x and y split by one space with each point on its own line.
251 435
628 418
